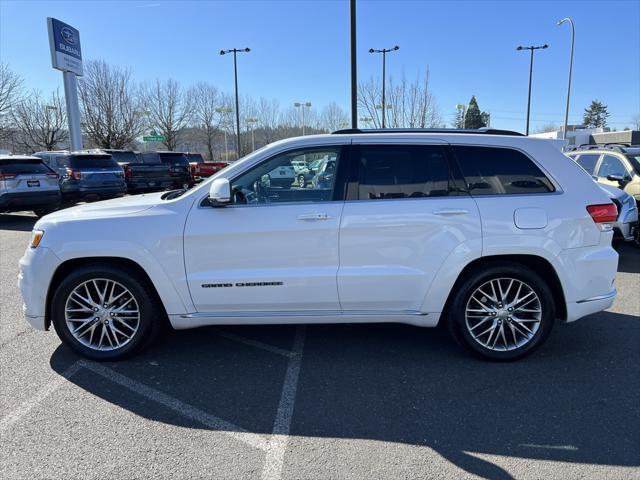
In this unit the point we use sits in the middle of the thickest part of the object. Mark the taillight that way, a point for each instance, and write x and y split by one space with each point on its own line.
6 176
75 174
603 215
53 175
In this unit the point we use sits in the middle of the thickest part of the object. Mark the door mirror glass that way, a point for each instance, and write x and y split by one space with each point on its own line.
219 192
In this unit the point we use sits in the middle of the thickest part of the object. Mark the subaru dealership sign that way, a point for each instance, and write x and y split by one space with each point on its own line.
64 42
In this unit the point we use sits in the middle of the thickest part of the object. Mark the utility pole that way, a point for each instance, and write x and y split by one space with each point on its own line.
531 49
384 52
224 111
354 66
235 51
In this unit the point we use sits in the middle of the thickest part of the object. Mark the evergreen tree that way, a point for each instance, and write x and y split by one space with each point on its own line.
596 115
474 118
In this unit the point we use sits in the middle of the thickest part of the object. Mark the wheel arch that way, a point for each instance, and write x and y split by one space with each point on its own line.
126 264
538 264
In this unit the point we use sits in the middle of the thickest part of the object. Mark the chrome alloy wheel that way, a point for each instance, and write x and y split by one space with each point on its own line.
503 314
102 314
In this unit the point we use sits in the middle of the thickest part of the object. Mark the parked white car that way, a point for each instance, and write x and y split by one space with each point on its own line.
493 233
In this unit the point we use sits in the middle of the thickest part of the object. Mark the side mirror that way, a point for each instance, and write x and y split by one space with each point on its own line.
617 178
220 192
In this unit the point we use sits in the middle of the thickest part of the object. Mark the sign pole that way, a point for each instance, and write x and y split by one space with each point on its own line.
73 109
66 55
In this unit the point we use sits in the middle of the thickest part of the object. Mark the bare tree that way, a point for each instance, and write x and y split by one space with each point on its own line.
169 109
635 121
208 113
40 123
110 105
409 104
333 117
10 92
547 127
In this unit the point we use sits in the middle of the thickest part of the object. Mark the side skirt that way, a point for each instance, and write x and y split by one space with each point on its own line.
199 319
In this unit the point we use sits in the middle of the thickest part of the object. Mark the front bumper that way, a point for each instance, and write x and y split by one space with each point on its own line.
37 267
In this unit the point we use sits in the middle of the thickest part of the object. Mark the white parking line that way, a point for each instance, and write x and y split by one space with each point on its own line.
184 409
274 460
255 343
48 389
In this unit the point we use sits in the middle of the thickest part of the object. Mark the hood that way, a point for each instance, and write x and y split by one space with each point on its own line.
108 208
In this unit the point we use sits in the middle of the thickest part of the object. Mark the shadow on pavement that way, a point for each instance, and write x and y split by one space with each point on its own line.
575 400
17 222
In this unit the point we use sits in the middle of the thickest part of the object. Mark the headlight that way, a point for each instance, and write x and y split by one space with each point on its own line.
36 236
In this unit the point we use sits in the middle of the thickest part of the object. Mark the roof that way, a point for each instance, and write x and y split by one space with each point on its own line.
18 157
473 131
73 152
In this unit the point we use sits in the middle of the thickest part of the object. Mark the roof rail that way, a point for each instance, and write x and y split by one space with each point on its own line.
483 131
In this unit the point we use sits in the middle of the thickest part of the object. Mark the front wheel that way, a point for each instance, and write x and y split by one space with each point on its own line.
503 312
104 313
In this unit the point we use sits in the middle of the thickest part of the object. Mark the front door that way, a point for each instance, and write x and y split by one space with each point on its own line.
275 249
403 218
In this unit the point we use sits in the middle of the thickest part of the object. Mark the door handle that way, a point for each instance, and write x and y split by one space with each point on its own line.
314 216
445 212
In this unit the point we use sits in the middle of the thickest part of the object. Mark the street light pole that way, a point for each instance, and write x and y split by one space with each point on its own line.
566 113
531 48
224 111
384 52
252 121
235 51
301 105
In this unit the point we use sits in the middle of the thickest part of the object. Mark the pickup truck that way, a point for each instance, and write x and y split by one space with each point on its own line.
201 169
178 165
140 175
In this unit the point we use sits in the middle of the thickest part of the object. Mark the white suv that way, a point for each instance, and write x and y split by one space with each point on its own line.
492 233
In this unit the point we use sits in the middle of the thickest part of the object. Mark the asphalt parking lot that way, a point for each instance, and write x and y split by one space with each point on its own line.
344 401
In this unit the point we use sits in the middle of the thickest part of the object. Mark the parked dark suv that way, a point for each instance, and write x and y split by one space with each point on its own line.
86 175
140 175
178 164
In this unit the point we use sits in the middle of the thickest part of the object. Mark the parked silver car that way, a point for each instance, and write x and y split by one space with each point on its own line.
26 183
626 227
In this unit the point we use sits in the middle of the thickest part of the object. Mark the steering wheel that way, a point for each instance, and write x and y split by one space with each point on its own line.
260 191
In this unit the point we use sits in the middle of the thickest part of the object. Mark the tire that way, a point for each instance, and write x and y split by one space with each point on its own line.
636 237
301 181
100 339
475 297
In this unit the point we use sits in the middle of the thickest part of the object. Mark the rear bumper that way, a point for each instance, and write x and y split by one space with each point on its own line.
588 277
27 200
93 193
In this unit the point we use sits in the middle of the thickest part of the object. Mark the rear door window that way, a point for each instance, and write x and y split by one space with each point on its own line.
23 167
174 158
496 171
611 165
90 161
402 171
588 162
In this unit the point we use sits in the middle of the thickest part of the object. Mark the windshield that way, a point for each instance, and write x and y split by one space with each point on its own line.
93 161
634 160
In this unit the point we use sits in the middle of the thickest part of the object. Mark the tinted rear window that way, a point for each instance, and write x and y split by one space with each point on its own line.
124 157
492 170
180 158
195 157
23 167
88 161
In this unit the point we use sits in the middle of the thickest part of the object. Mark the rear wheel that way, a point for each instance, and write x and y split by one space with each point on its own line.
41 212
503 312
104 313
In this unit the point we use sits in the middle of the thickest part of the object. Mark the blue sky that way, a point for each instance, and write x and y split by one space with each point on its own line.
300 49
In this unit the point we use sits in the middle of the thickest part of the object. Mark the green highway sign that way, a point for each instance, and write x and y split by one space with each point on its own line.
153 138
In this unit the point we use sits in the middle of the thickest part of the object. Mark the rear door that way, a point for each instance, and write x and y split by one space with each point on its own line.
405 213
